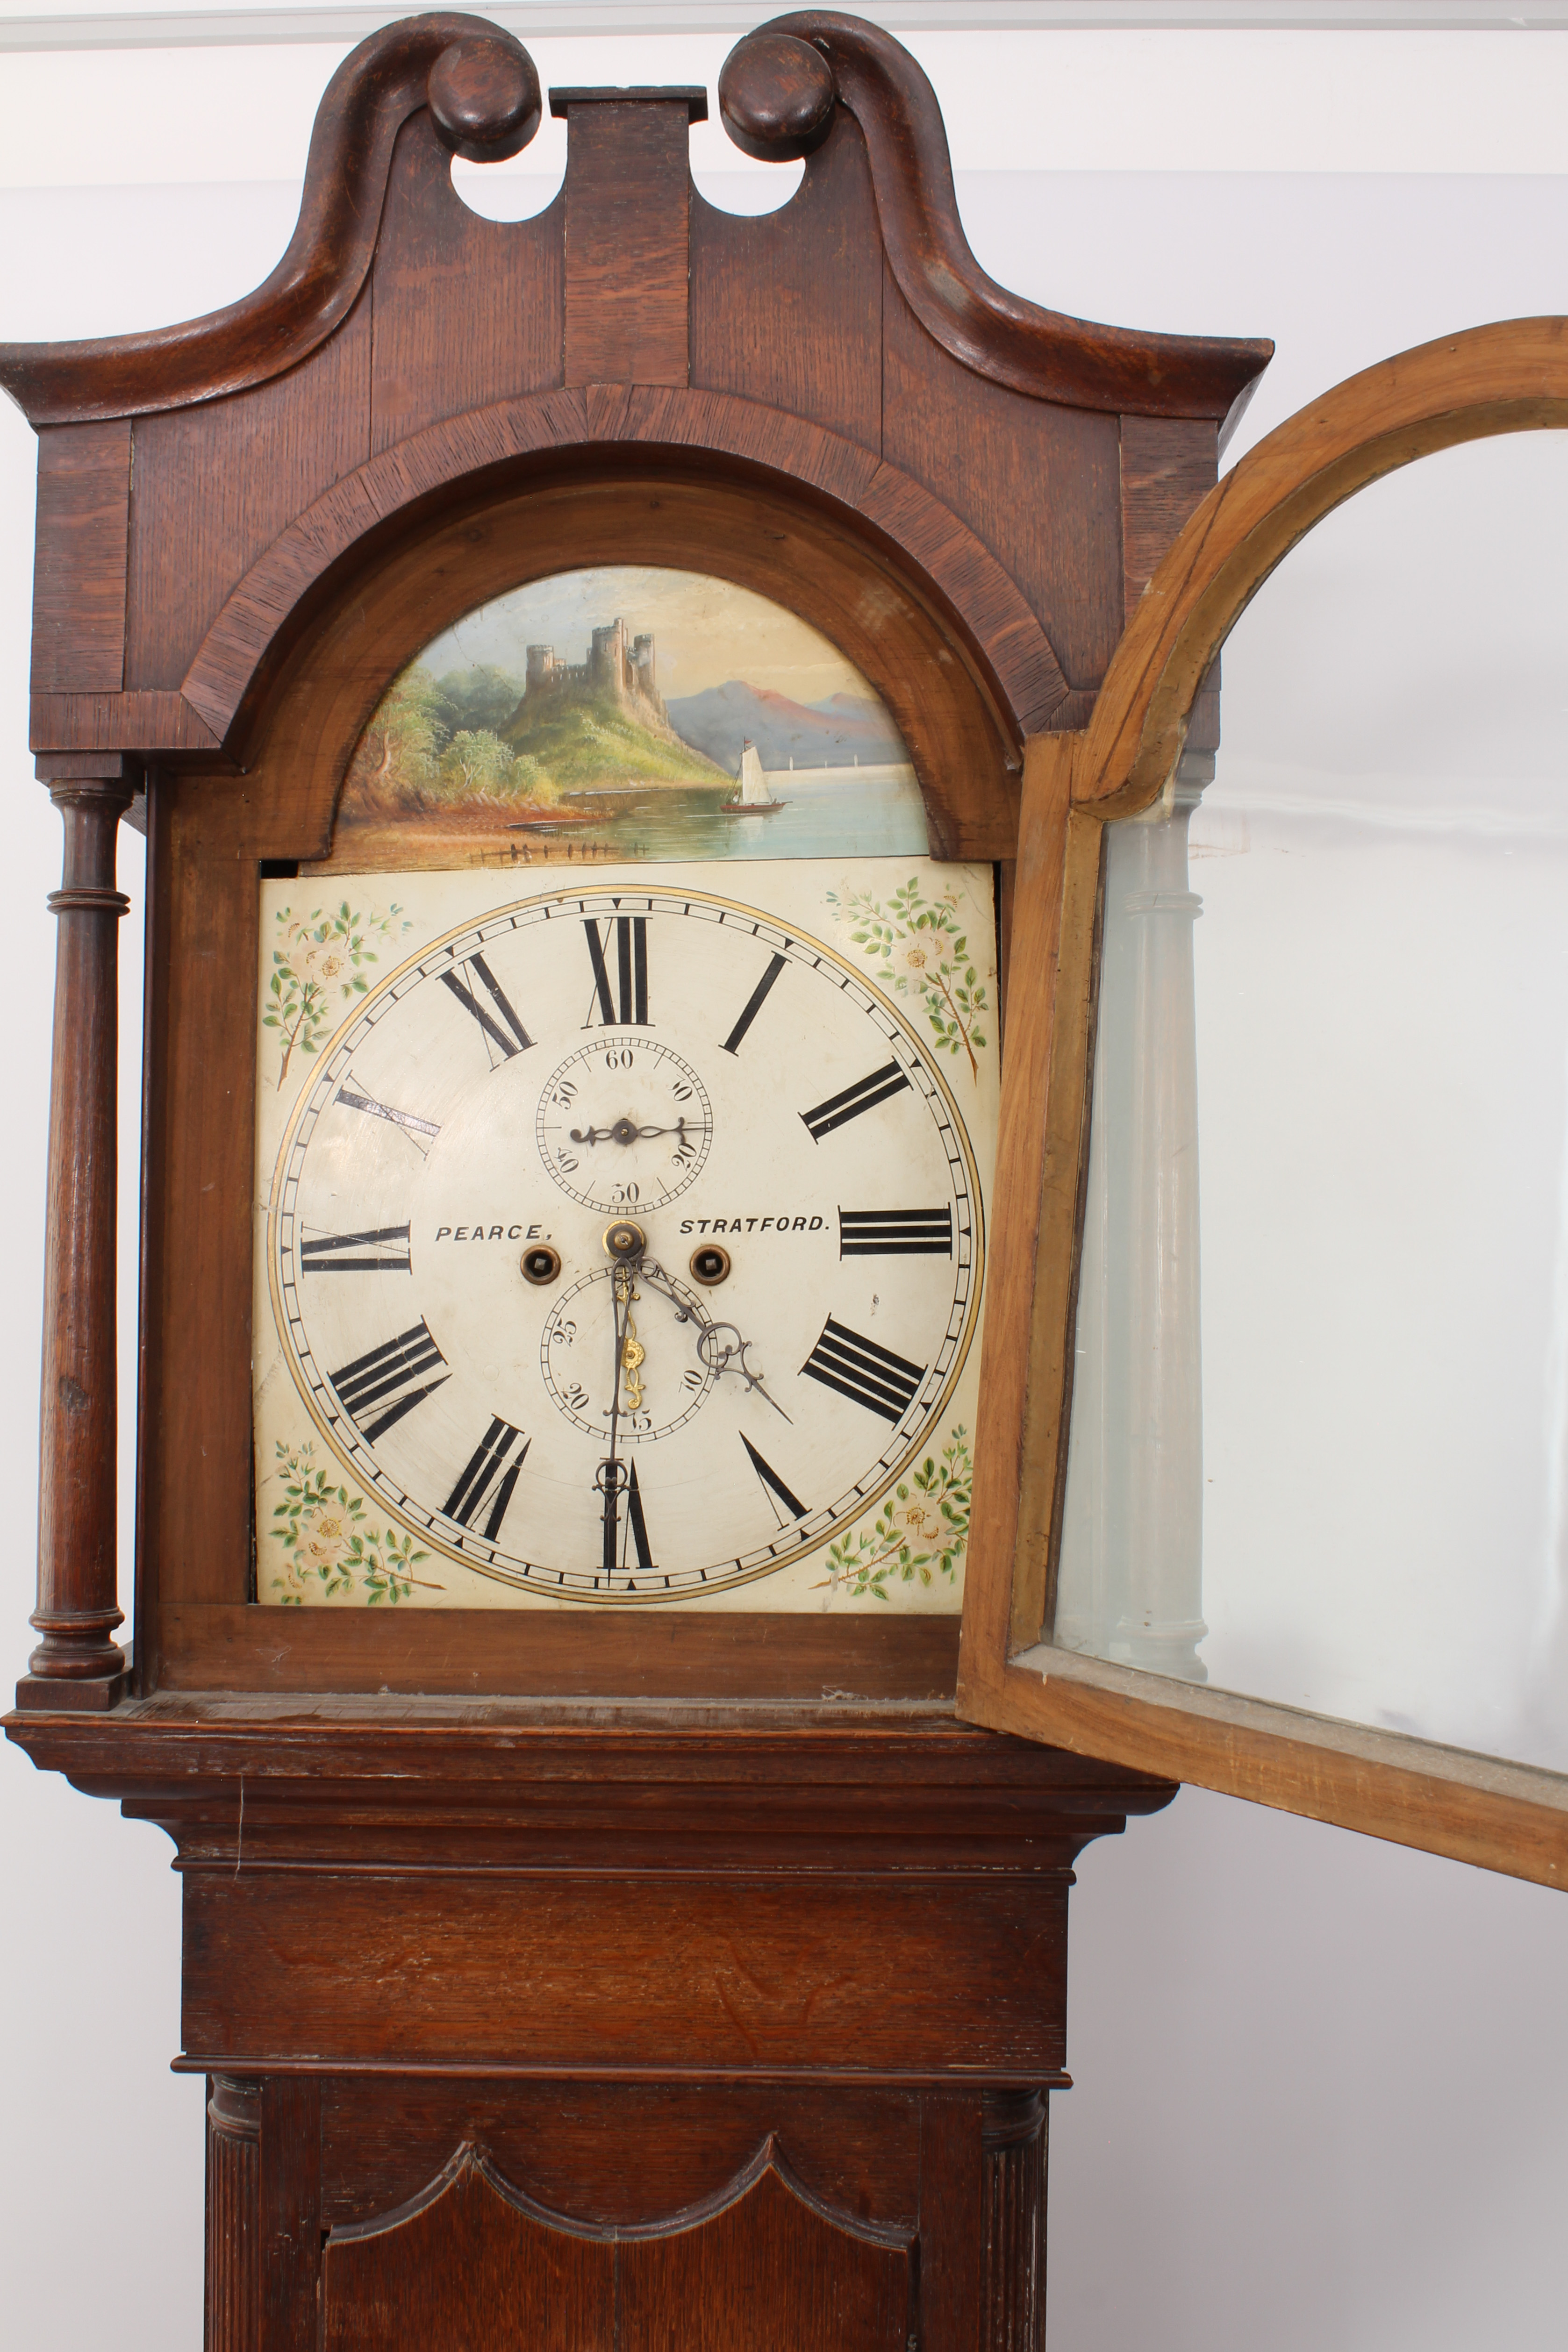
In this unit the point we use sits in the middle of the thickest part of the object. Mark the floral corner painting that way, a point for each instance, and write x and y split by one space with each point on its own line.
628 712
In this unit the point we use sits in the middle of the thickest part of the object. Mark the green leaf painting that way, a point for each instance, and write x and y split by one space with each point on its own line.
919 949
318 965
329 1551
920 1534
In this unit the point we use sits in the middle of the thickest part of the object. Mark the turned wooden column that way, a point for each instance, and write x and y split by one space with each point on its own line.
78 1663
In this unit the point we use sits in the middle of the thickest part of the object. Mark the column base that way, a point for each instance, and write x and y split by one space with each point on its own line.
73 1695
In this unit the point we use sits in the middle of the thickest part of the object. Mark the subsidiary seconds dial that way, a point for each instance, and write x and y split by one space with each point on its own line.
627 1245
625 1124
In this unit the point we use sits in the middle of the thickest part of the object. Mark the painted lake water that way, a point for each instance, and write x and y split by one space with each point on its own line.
827 812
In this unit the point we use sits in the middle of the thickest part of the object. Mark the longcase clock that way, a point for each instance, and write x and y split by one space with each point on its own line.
583 752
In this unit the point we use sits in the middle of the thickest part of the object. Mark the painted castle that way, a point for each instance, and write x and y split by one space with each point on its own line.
617 666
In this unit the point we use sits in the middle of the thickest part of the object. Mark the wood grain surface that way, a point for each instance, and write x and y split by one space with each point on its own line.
473 2258
468 2265
628 265
232 1645
435 352
771 2271
79 560
1042 353
855 2148
690 1976
315 286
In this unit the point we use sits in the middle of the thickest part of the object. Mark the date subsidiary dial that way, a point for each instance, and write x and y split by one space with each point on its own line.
663 1376
631 1427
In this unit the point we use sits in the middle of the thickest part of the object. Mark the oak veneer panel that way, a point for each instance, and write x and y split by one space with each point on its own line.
630 1654
1041 486
79 566
469 2268
769 2272
216 483
565 2144
1169 465
150 1455
746 1975
110 723
627 263
787 307
952 2211
464 311
196 1446
467 2271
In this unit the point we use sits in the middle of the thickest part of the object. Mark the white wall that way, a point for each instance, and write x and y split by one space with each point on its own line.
1322 2086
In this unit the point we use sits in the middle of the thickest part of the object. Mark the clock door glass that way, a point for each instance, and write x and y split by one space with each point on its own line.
1320 1390
621 1235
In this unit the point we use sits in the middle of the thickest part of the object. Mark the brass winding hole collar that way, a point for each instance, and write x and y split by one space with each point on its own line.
540 1263
709 1264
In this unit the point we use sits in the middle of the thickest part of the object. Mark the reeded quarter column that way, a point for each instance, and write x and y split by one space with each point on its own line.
1013 2293
78 1664
234 2215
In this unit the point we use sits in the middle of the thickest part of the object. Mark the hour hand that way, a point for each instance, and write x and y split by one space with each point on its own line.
634 1355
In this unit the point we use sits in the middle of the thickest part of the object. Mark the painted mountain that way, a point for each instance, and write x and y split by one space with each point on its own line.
832 734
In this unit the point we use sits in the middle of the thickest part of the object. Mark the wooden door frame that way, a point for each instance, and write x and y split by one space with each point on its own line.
1511 377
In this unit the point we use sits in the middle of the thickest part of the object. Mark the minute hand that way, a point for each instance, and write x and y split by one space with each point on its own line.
623 1131
609 1473
717 1353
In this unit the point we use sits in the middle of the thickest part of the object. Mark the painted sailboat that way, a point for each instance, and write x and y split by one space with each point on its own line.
751 797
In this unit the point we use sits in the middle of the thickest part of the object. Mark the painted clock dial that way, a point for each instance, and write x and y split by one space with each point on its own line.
626 1244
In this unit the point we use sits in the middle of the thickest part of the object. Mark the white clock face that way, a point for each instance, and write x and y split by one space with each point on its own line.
626 1244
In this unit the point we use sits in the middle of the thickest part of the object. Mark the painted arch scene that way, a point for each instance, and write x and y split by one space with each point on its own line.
628 712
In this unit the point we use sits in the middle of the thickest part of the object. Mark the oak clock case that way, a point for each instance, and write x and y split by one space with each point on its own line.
520 1912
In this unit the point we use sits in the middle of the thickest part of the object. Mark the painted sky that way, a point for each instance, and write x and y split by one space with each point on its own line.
708 631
